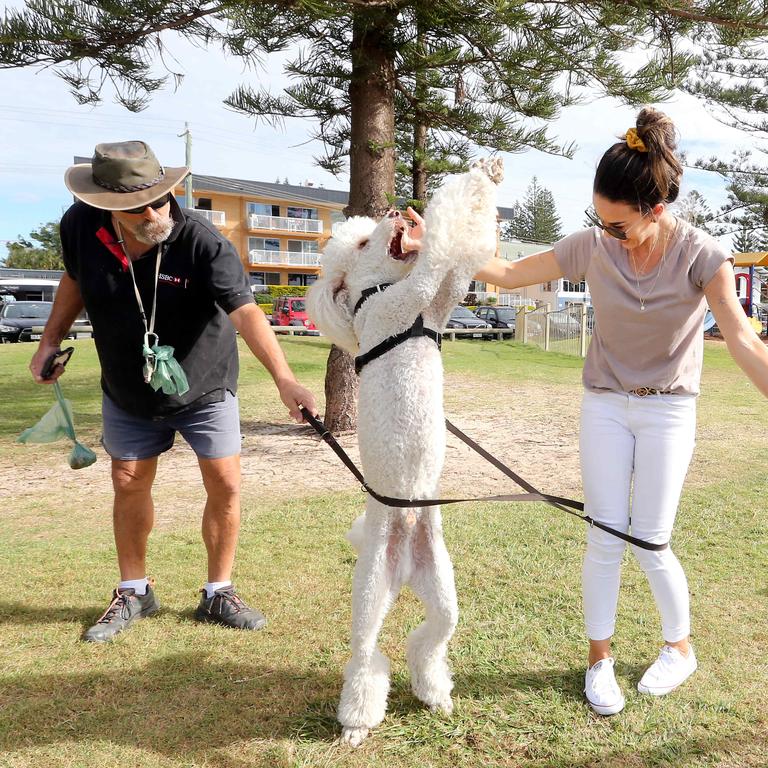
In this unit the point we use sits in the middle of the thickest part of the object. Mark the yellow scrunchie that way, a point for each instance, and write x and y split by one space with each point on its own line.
634 141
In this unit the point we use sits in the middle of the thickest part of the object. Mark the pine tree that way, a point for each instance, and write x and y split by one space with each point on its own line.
694 209
744 241
746 207
488 73
536 218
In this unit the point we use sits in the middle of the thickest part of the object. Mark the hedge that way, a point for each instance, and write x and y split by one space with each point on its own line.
275 291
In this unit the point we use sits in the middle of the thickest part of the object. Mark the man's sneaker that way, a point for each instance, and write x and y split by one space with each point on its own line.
226 607
602 690
668 671
125 608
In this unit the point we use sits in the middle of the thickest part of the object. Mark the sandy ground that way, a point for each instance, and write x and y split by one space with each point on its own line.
533 429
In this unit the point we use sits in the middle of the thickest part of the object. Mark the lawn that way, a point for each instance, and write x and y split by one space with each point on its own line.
171 693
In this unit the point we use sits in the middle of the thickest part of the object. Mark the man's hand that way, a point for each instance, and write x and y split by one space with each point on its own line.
412 235
294 395
44 351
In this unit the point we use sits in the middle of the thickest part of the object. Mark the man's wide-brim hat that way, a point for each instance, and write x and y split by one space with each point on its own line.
122 176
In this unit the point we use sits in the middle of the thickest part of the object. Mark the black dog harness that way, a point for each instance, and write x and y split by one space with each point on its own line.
416 330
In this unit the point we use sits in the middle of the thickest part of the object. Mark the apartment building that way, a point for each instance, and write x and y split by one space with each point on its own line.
276 228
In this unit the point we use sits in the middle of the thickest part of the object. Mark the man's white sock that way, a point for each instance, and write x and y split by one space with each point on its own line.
139 586
211 586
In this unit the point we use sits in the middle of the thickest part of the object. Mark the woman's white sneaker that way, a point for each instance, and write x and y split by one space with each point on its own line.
602 690
668 671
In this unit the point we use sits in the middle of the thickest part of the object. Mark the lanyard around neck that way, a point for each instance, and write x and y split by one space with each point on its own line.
149 329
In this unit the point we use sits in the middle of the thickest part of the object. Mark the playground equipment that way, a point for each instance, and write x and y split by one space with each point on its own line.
747 285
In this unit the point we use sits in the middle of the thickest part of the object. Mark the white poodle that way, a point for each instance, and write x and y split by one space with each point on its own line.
401 427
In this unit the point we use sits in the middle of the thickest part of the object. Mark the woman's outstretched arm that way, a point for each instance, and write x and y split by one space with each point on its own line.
537 268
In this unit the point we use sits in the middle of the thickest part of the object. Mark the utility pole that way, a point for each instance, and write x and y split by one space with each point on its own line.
189 200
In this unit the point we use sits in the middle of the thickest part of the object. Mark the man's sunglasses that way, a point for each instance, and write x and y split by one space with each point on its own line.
155 204
617 232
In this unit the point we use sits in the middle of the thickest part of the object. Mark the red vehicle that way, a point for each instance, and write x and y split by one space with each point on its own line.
292 310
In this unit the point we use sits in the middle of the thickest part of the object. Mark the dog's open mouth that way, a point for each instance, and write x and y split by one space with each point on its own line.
396 247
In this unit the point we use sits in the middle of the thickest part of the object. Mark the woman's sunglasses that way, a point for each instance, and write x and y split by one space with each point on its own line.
617 232
155 204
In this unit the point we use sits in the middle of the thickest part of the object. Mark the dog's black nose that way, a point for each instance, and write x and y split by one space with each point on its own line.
393 214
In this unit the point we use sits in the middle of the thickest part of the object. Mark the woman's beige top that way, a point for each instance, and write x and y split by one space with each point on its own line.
662 345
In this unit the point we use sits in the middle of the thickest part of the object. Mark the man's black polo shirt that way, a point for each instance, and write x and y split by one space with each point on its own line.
201 281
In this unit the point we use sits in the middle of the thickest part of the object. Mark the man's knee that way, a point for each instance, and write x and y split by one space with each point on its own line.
133 476
221 477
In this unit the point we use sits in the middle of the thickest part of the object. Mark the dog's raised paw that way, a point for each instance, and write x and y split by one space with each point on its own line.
353 737
492 167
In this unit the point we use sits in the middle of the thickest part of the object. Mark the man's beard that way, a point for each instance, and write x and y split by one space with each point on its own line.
153 232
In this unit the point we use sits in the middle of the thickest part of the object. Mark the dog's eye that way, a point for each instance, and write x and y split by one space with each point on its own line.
362 244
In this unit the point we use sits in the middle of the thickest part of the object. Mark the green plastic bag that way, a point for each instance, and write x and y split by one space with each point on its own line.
58 423
168 374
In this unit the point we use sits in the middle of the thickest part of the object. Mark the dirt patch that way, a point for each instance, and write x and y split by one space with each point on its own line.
532 428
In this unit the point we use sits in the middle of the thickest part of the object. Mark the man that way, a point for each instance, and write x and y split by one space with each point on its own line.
162 289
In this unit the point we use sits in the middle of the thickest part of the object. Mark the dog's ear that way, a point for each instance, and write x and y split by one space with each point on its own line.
327 306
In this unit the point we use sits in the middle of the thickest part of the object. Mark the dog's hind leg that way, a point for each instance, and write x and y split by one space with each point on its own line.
375 584
432 581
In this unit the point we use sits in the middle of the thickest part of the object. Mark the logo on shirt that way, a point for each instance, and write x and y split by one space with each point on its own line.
179 282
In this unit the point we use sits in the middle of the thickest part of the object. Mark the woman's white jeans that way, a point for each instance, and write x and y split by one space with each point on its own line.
635 453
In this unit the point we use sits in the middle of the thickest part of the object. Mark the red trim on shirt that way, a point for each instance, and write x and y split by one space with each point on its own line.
113 246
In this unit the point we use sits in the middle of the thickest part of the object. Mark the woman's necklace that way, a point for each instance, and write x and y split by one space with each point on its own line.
642 298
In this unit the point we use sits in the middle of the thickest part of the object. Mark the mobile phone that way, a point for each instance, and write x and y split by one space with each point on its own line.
60 357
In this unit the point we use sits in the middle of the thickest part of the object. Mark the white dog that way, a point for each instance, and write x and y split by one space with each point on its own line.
401 427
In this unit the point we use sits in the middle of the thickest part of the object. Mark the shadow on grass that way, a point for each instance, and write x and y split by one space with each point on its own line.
18 613
195 708
183 706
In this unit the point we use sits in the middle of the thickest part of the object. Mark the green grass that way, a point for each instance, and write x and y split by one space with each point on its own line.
171 693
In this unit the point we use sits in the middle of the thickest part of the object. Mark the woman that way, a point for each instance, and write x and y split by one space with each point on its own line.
649 274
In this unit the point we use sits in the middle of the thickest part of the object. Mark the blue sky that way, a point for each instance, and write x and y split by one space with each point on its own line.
42 128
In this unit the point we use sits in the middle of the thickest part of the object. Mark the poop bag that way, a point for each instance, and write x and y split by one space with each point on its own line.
58 423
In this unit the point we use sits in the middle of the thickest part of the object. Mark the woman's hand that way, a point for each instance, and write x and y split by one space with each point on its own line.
412 236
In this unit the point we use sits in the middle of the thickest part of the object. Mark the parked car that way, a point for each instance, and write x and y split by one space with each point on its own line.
498 317
461 317
292 311
17 319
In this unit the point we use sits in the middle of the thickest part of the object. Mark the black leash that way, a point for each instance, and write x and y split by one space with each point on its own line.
566 505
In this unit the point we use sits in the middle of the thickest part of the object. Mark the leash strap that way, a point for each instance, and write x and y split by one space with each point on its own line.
367 293
417 329
566 505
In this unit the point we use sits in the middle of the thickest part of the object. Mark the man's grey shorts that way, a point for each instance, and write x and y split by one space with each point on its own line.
212 431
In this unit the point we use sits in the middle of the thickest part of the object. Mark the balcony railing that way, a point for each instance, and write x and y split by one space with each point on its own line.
257 256
215 217
286 223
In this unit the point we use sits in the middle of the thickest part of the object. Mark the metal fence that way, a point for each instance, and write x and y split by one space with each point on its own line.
567 331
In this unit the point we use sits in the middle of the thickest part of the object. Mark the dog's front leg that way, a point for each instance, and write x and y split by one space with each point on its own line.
363 701
432 581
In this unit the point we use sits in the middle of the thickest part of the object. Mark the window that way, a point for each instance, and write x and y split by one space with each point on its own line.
301 213
265 278
263 244
204 204
476 286
482 313
264 209
300 279
302 246
570 287
546 286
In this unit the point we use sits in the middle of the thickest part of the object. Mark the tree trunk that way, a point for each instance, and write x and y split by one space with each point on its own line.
419 164
371 170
